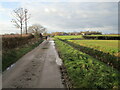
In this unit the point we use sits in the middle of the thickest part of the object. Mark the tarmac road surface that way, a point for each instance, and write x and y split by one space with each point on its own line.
37 69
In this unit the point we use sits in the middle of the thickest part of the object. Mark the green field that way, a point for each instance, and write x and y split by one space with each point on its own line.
69 37
90 63
85 71
107 46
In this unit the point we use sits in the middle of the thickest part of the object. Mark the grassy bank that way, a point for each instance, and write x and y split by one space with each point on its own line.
107 58
85 71
14 54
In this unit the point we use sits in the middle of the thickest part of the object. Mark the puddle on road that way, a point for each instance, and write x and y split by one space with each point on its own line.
10 66
59 61
52 42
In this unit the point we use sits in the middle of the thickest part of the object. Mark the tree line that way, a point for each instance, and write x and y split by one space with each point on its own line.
76 33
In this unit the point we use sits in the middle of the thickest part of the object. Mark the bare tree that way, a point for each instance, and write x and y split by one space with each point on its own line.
36 28
20 16
26 19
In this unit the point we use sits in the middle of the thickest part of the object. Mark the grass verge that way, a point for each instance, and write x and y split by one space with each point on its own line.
85 71
13 55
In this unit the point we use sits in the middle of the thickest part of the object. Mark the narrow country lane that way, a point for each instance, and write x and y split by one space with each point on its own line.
37 69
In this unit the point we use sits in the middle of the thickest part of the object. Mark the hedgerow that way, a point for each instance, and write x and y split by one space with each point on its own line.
12 55
14 42
102 37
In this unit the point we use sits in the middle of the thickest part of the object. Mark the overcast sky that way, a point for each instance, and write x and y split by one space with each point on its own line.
63 16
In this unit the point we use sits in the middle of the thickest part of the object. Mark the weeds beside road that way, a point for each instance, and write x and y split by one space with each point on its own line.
15 47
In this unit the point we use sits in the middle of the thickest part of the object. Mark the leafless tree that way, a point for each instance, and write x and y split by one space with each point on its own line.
26 19
36 28
20 16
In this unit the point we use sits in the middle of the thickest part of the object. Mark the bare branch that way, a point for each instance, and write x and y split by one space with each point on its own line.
16 23
19 18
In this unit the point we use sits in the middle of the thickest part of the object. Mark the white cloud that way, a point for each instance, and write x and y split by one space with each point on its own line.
1 8
53 10
7 28
70 16
47 10
59 0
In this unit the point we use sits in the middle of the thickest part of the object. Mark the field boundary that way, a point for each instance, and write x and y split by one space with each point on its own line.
101 37
112 61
